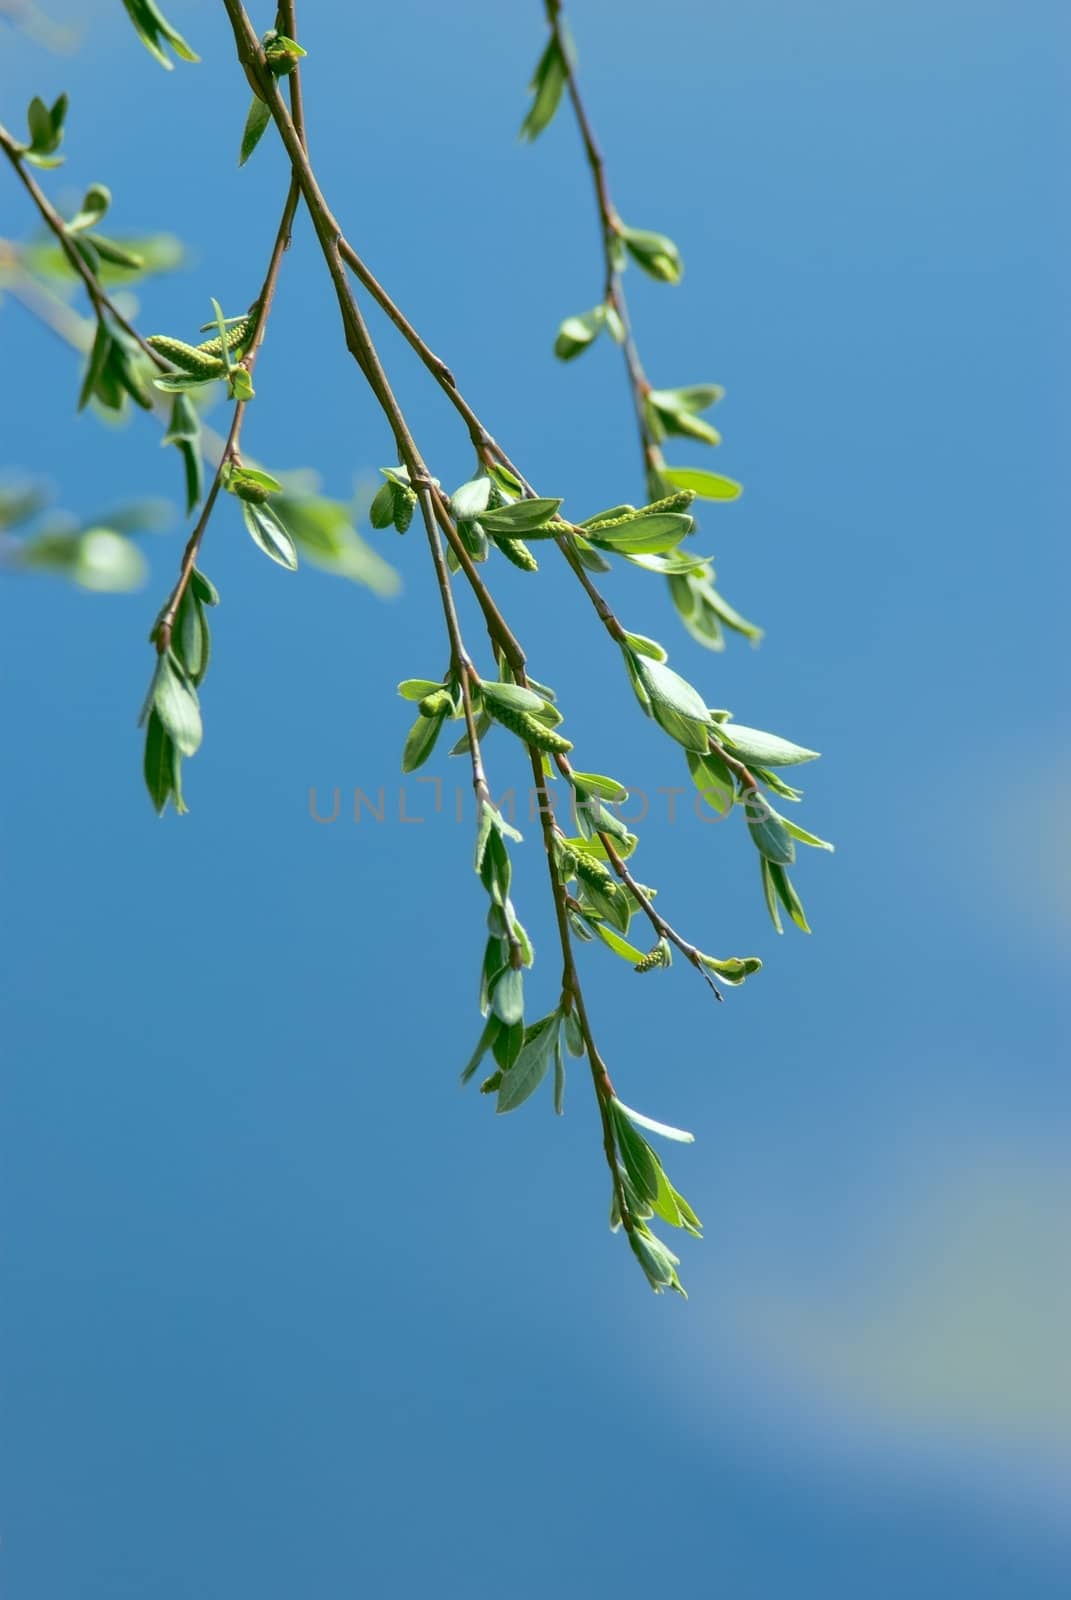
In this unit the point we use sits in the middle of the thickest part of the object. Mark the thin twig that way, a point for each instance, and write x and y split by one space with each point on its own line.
262 311
610 228
434 510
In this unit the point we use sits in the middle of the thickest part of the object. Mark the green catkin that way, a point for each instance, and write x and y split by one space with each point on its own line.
671 502
594 874
654 958
526 727
237 334
436 704
404 504
517 551
186 357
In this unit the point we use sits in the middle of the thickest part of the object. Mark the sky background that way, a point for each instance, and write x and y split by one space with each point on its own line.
287 1312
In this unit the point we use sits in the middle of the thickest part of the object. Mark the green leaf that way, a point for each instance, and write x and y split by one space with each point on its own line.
154 31
594 783
640 1161
420 742
204 588
240 385
806 838
175 702
531 1065
548 82
770 895
676 706
768 831
523 516
96 202
643 535
763 749
659 1263
417 688
267 531
506 1047
182 382
713 780
707 485
491 1030
734 969
646 647
574 1035
191 640
619 946
654 252
471 499
511 694
689 400
662 1128
158 763
255 124
507 996
787 895
576 333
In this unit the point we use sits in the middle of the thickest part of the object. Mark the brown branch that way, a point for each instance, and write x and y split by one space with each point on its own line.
434 510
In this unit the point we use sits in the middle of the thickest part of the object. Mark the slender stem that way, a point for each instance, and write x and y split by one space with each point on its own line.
610 228
436 515
658 923
263 305
573 994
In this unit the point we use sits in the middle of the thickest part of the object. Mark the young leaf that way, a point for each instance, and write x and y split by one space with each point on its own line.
511 694
713 780
154 30
662 1128
806 838
174 700
706 485
267 530
676 706
594 783
763 749
770 894
659 1263
420 742
619 946
491 1030
576 333
471 499
657 255
768 831
507 996
734 969
417 688
523 516
255 124
548 81
574 1035
531 1065
787 895
159 762
643 535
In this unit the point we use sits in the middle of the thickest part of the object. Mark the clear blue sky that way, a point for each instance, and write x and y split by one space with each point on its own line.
287 1313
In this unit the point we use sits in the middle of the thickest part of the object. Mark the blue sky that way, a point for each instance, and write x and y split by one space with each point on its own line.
288 1313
